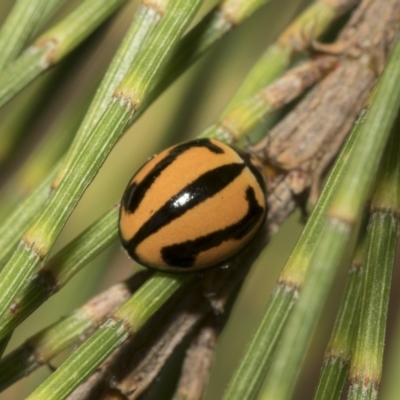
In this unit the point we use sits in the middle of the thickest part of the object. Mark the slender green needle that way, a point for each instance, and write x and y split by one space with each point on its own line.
18 27
61 268
29 254
43 158
58 283
309 25
125 322
18 74
342 215
21 217
250 374
49 342
250 112
339 350
54 45
217 23
146 19
39 239
73 257
289 299
287 307
383 232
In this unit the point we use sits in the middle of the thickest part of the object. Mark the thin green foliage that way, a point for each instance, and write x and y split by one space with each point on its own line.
374 128
126 321
144 22
65 264
20 24
42 160
21 217
338 354
314 21
89 121
204 35
250 374
61 268
40 238
54 45
52 340
383 232
150 58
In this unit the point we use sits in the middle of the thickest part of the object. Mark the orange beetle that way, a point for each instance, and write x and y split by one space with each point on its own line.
193 206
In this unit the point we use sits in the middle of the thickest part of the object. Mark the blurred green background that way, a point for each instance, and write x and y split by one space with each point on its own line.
189 106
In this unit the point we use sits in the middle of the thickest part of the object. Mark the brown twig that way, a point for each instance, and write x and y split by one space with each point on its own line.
304 144
198 360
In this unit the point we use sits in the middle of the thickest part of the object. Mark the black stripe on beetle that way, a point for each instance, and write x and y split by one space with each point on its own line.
135 192
206 186
184 254
247 158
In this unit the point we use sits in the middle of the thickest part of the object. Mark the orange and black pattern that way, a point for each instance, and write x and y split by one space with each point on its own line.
193 206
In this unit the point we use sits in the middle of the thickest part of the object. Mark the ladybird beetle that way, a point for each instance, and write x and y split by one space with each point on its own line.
193 206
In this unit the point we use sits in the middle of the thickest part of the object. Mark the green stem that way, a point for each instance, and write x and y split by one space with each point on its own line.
125 322
54 45
247 114
309 25
339 223
18 27
383 232
54 275
32 249
21 217
251 371
213 27
39 239
19 220
145 20
49 342
339 350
